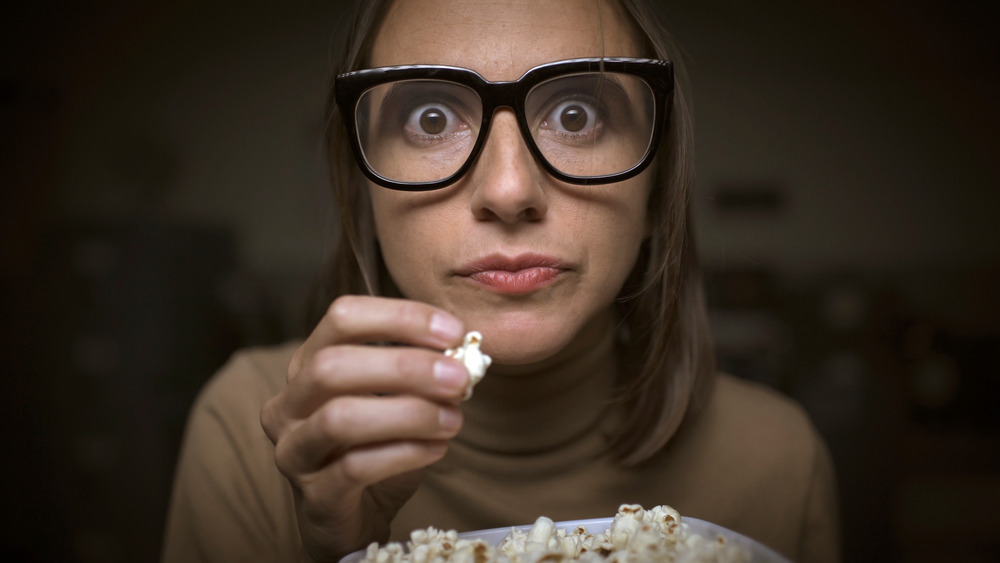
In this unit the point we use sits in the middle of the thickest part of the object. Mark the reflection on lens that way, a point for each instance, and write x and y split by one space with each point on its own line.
592 124
418 130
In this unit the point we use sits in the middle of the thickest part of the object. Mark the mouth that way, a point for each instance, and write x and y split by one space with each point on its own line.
516 275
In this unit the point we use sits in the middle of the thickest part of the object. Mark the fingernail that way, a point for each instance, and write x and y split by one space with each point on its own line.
446 327
450 373
449 418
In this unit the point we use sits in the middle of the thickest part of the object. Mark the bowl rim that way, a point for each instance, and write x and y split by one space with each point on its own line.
759 553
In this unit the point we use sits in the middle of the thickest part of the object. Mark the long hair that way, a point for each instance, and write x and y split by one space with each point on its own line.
662 301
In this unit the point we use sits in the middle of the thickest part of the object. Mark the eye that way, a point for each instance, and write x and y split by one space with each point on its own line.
433 119
572 116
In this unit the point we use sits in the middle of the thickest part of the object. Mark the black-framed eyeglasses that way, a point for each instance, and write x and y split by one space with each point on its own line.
585 121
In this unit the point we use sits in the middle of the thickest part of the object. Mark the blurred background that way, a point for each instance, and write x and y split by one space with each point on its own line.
164 204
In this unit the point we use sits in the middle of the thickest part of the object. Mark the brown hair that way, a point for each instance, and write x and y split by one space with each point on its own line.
662 302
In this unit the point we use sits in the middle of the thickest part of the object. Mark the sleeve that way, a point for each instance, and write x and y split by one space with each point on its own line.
229 502
819 541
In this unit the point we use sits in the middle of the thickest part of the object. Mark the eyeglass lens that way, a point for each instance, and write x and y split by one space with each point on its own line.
587 124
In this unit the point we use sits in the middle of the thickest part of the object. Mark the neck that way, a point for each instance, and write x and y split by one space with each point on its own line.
547 407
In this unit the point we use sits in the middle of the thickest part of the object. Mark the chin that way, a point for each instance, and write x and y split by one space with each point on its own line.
519 353
520 343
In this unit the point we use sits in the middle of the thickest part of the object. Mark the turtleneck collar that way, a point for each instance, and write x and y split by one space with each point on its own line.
530 422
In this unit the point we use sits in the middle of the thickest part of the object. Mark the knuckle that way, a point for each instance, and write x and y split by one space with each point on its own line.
335 416
320 374
412 365
315 501
282 459
407 410
422 417
294 365
353 471
269 420
414 314
341 309
326 361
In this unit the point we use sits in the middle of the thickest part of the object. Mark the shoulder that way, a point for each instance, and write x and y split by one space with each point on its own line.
759 428
229 501
760 467
228 405
750 444
248 379
749 434
753 409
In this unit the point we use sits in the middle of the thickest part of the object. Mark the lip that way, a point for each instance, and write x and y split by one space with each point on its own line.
514 275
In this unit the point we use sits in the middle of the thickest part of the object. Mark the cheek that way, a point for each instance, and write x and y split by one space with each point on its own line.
401 255
625 221
613 230
398 252
633 228
618 246
409 236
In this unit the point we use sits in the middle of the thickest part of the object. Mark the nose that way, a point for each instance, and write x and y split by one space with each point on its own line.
506 179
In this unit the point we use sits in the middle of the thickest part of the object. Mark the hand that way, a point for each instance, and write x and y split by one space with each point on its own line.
356 422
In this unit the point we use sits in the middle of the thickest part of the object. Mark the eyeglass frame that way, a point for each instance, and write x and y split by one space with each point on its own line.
657 73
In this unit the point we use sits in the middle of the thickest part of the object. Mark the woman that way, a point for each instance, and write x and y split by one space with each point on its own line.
543 203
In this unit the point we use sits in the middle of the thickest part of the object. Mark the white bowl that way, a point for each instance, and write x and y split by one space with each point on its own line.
759 553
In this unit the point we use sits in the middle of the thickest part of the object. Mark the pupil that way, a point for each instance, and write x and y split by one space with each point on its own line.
573 118
432 121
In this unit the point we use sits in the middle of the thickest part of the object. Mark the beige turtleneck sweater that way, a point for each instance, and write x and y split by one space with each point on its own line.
751 462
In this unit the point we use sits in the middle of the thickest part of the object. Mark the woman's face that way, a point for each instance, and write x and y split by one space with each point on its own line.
532 263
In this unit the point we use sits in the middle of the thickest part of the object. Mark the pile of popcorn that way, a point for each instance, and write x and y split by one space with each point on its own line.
635 535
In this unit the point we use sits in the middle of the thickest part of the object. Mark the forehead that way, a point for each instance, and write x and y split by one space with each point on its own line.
501 39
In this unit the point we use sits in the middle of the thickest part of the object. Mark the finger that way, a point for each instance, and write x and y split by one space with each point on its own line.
272 418
364 370
343 370
364 466
348 422
360 319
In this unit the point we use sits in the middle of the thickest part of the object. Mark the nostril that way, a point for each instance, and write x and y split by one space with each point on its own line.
532 214
509 196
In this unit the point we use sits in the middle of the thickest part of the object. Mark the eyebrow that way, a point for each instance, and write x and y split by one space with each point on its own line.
608 78
389 93
605 85
602 78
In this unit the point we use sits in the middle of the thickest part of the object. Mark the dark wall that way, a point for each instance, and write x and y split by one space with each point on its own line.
164 205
